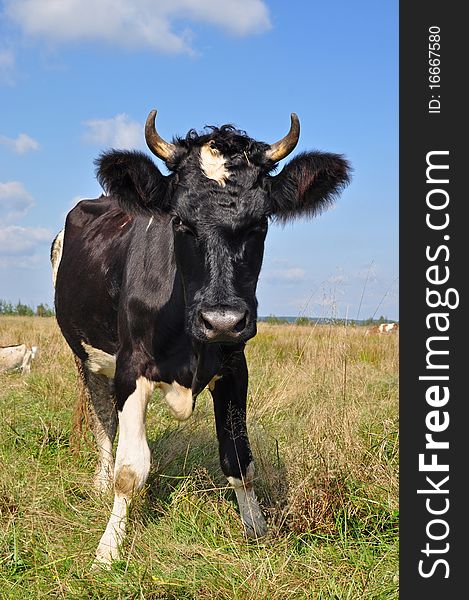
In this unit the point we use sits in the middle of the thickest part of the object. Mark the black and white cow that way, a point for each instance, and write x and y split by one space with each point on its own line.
156 287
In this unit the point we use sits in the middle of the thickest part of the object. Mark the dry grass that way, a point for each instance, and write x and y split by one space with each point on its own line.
323 423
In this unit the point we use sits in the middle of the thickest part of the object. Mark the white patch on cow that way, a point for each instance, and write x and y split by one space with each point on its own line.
213 164
113 536
17 357
149 223
131 470
251 515
179 399
387 327
56 254
99 361
383 328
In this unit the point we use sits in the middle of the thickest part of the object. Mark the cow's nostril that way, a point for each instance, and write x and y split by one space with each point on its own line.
240 325
206 323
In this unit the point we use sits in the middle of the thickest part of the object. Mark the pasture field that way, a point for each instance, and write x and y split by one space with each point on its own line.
323 424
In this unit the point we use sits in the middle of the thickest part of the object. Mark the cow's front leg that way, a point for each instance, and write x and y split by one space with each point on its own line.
131 468
229 398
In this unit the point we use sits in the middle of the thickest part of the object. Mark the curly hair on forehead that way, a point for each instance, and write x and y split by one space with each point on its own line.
212 132
227 139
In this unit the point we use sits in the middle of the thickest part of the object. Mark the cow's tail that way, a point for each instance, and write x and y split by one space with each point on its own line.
56 254
81 417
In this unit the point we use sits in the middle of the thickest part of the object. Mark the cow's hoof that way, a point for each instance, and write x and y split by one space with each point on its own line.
108 551
99 564
104 558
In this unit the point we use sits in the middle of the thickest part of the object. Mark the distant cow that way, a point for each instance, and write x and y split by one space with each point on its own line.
383 328
156 287
18 357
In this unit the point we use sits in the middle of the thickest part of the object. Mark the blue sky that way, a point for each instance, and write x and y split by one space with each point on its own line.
80 76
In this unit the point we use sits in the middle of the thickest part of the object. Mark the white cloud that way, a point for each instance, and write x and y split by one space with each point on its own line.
21 241
19 246
285 275
15 201
21 144
7 59
118 132
136 24
239 17
7 66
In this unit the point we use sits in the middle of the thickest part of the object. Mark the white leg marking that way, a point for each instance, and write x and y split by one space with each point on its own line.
131 470
99 361
111 540
179 399
251 515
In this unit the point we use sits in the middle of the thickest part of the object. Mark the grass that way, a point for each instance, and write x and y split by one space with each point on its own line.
323 423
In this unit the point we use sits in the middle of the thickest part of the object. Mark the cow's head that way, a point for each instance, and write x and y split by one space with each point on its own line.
220 196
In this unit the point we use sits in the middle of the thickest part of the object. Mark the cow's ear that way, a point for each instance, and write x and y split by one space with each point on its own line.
307 185
134 180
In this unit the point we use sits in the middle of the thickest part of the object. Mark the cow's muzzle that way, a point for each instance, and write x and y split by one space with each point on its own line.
223 324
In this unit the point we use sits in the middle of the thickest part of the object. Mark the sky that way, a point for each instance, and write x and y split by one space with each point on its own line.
80 76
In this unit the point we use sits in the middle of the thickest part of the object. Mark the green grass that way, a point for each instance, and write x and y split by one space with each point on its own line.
323 425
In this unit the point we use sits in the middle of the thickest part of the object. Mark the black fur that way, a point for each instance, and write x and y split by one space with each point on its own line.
134 180
308 184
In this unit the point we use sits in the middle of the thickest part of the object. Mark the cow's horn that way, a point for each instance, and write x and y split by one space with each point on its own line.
157 144
283 148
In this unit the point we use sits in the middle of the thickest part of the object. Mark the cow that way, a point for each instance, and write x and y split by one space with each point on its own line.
383 328
17 358
155 287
